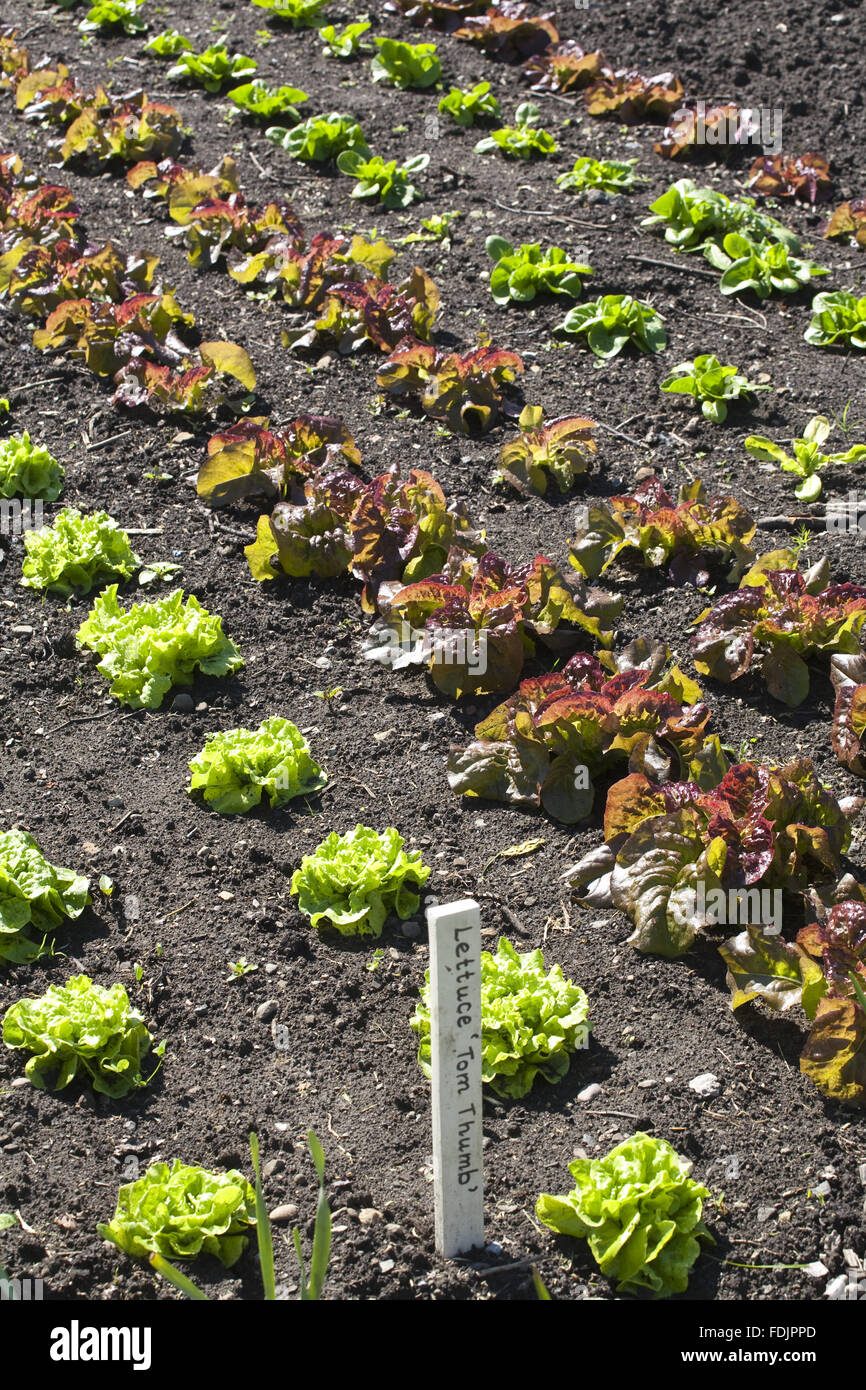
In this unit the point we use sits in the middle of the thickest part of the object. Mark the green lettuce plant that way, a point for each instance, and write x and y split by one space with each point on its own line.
406 65
301 14
180 1212
35 896
531 1022
808 458
521 274
81 1029
264 102
692 217
639 1211
709 382
837 319
77 552
615 320
471 105
764 267
353 881
609 175
320 138
523 139
151 646
168 44
236 767
345 43
212 67
384 180
114 14
28 470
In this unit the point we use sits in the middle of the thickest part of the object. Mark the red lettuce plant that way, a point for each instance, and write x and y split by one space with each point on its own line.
559 734
848 674
707 130
465 392
128 131
37 279
760 827
835 1053
251 460
510 31
447 15
562 448
777 620
631 97
688 537
565 68
848 220
804 176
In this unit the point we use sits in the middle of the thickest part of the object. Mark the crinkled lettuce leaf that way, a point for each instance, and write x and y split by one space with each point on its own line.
79 551
180 1212
354 881
235 768
35 896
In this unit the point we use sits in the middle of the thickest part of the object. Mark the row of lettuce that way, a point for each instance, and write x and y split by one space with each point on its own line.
388 532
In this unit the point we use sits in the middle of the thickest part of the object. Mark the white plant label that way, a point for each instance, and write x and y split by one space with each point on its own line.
455 1018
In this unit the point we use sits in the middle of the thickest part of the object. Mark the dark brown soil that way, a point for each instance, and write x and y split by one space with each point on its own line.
103 789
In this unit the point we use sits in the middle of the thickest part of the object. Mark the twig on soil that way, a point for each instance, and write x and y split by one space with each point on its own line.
620 1114
265 173
144 530
541 212
512 920
101 443
486 1270
771 523
363 785
178 910
123 820
638 443
744 317
672 265
31 385
80 719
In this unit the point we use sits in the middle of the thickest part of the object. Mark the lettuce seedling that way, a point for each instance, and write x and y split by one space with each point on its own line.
693 216
631 97
471 105
807 177
551 742
35 896
81 1029
301 14
320 138
264 102
346 43
521 274
705 379
509 30
466 392
563 448
353 882
531 1022
778 620
114 14
838 319
151 646
78 552
406 65
180 1212
848 220
613 321
249 460
28 470
383 180
808 457
523 139
640 1213
565 68
762 267
237 766
212 67
168 44
760 827
691 536
610 175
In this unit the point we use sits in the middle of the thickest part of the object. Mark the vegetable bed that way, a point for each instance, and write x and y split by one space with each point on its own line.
201 907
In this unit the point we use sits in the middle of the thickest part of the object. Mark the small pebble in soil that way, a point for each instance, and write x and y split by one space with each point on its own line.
705 1085
589 1092
766 1213
368 1216
411 929
266 1011
184 704
282 1215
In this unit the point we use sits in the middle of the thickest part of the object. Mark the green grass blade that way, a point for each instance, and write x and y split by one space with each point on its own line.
539 1286
296 1237
180 1281
264 1235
